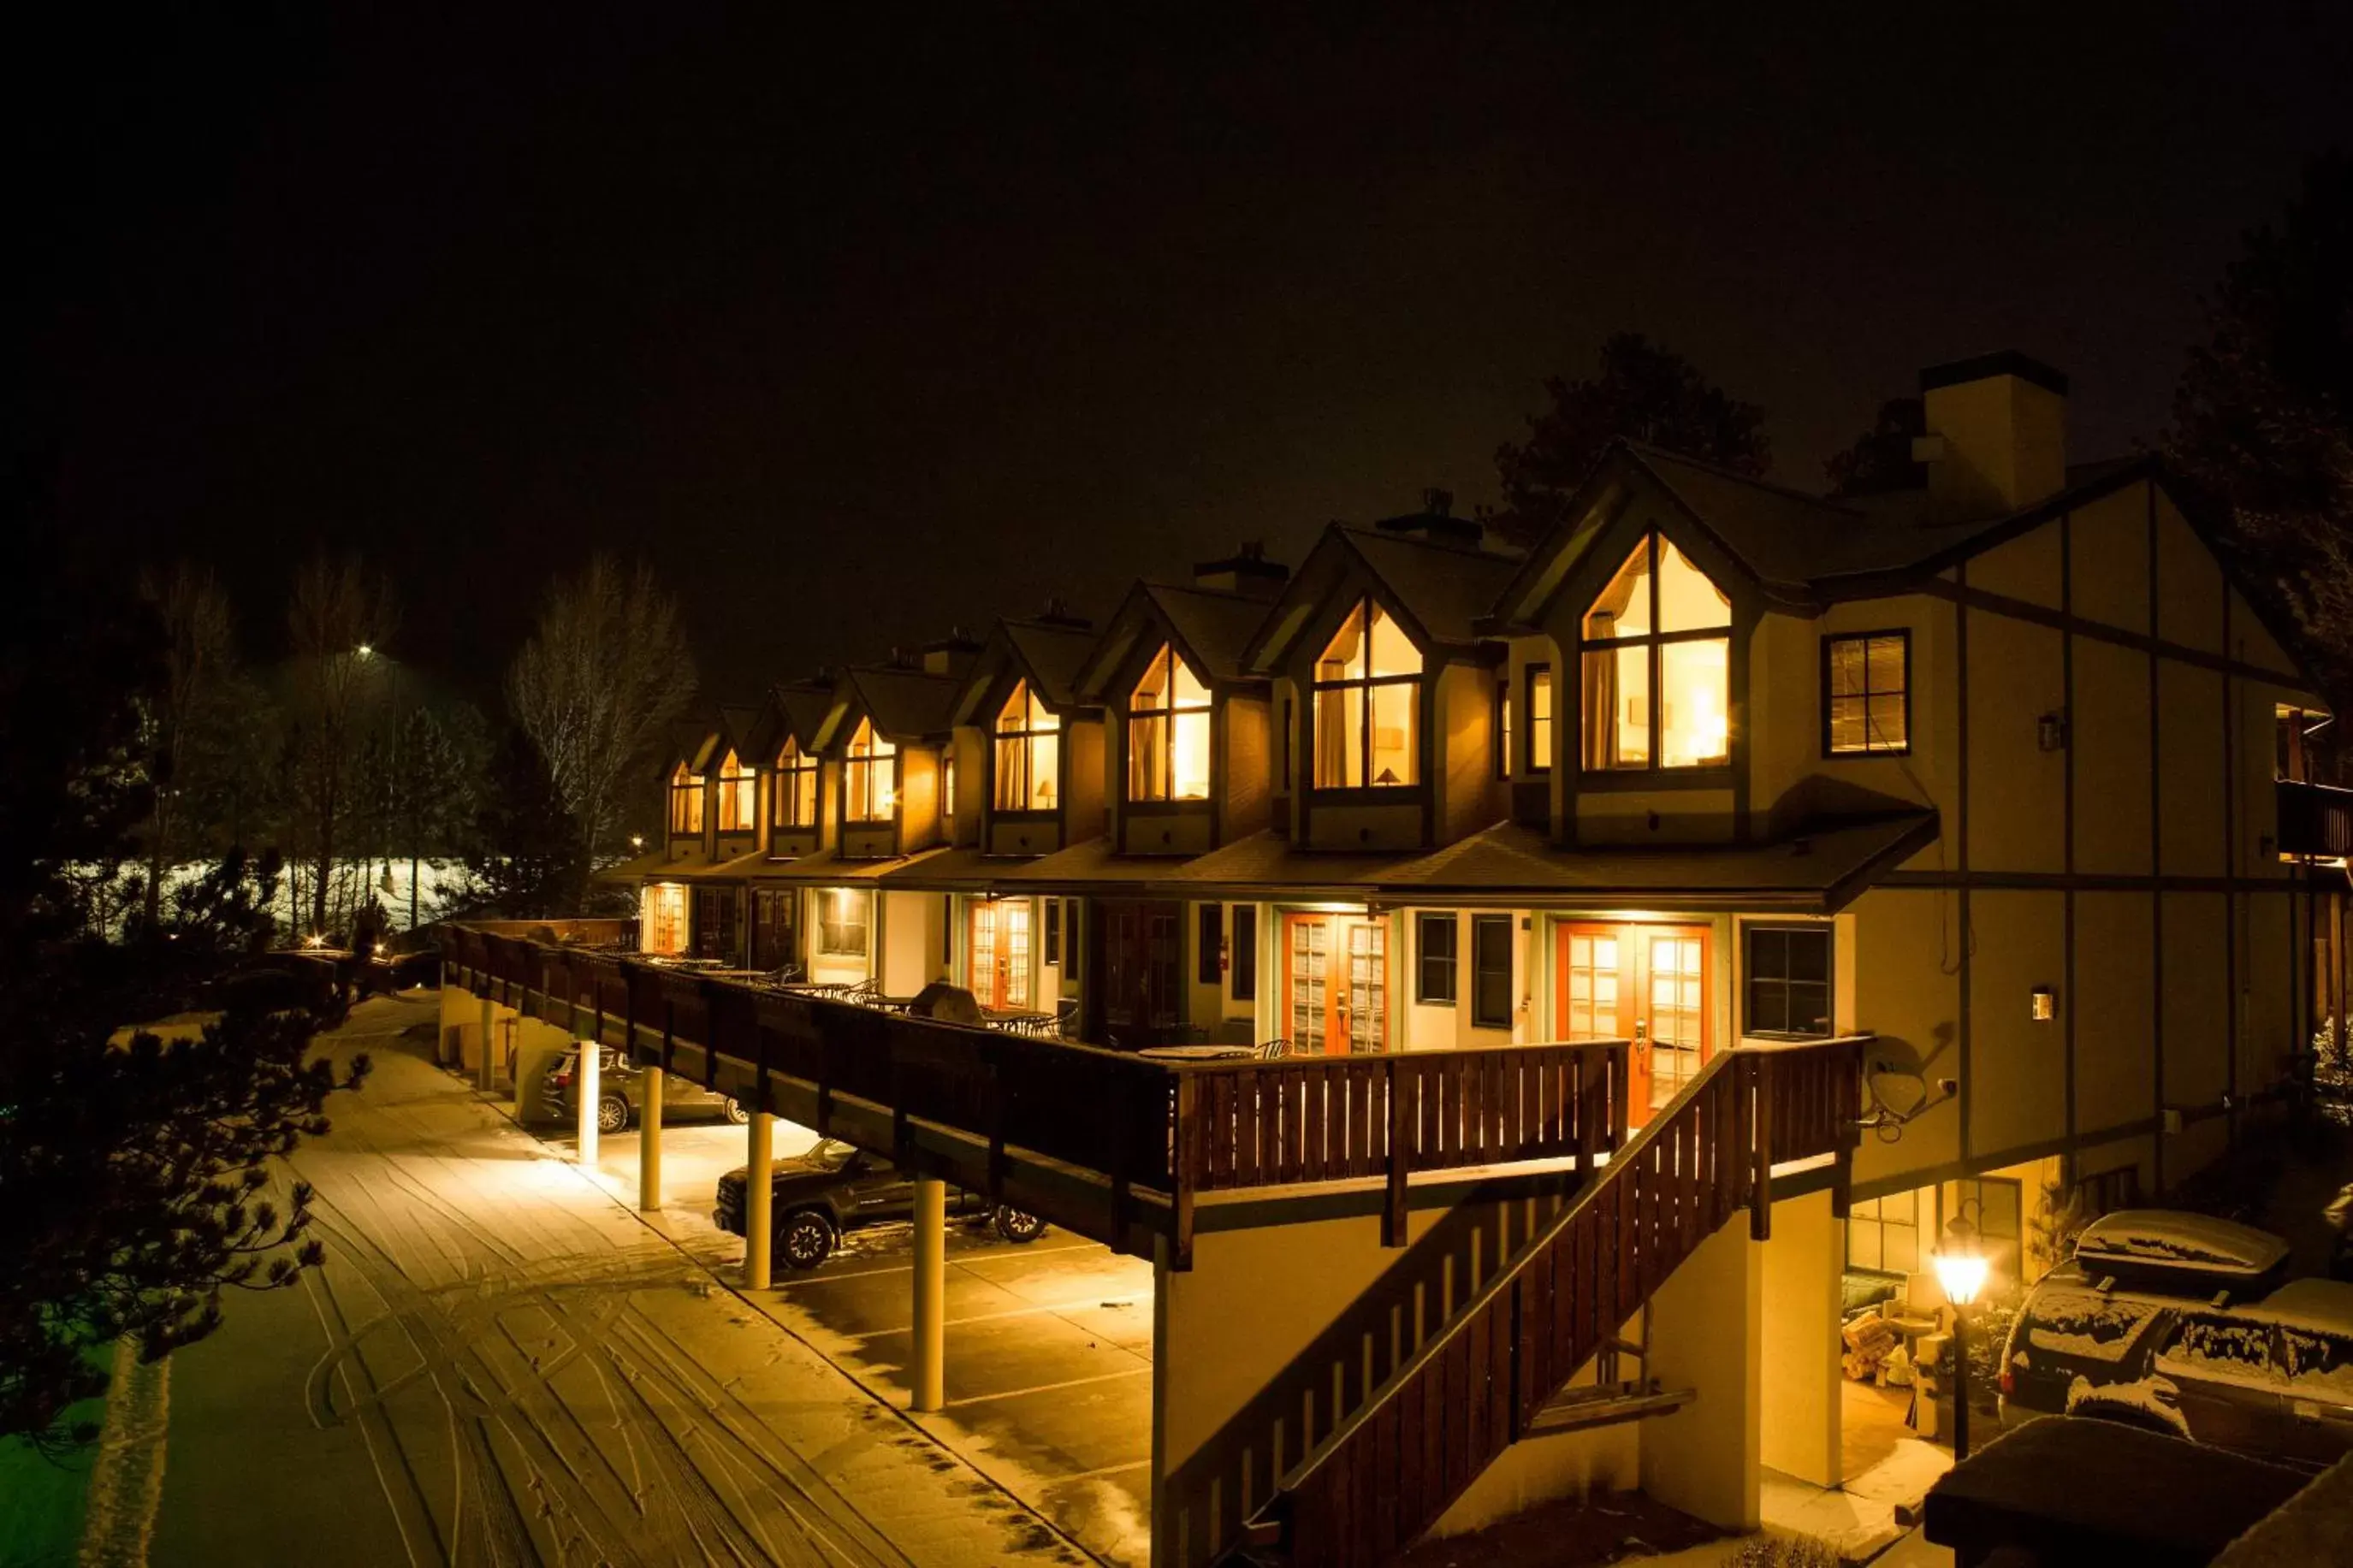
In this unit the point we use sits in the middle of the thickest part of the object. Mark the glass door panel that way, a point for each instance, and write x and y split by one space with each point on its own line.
1677 1012
1368 1010
1307 982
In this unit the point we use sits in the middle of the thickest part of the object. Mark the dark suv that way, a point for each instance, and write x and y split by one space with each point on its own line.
620 1094
2180 1324
835 1188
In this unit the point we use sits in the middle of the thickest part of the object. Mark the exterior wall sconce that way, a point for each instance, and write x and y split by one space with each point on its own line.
2046 1002
2050 732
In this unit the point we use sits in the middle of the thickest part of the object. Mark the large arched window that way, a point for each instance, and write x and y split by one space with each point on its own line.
870 776
1369 705
1028 753
739 796
796 802
1657 665
1168 733
685 801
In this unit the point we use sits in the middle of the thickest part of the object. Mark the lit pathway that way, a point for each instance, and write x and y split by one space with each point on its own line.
500 1364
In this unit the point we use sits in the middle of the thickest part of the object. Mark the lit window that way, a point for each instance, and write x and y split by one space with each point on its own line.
661 918
843 915
1657 665
795 801
685 802
1367 705
1866 693
739 796
870 776
1539 718
1789 981
1028 751
1168 733
948 780
1503 758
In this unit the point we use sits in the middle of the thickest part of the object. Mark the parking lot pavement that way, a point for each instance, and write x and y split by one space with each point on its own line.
1048 1374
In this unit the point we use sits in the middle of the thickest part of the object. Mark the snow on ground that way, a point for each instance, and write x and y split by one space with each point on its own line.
501 1363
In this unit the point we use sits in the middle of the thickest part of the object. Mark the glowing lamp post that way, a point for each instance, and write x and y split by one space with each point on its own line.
1961 1271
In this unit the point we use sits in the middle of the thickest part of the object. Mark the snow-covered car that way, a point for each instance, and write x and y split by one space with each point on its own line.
834 1188
2177 1323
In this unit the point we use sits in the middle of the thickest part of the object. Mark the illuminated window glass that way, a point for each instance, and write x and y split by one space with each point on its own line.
870 776
794 804
1369 705
739 796
685 801
1866 693
843 915
1539 718
1168 733
1657 666
661 919
1028 751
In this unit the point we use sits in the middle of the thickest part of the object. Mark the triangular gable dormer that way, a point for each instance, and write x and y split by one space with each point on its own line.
1381 672
1028 751
685 783
736 779
787 744
885 736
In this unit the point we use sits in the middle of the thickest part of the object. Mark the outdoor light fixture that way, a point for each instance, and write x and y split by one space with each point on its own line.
315 940
380 949
2050 732
1960 1267
366 650
2045 1002
637 841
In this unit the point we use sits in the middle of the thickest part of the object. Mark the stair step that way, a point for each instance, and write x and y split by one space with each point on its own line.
1586 1407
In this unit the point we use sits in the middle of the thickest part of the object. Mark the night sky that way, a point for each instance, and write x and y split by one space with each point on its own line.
857 334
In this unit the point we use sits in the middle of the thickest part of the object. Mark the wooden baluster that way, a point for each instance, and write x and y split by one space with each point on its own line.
1760 1205
1398 1078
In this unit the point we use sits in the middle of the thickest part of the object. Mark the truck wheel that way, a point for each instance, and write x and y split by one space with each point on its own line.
1018 1225
805 1239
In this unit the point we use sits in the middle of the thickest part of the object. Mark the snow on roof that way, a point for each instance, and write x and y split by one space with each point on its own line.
2167 1238
2322 1306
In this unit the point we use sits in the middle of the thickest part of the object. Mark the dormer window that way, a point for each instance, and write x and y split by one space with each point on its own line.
685 802
1168 733
1028 751
1369 705
796 802
739 797
870 776
1657 665
948 781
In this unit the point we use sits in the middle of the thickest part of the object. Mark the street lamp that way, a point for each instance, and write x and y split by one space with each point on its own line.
637 841
1961 1270
366 650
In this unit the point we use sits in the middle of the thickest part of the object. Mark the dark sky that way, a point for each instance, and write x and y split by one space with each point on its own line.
858 330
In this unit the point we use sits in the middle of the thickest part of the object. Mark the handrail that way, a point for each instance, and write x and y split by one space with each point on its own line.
1706 1153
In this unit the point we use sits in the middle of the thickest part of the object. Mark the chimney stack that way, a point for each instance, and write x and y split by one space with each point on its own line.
1246 571
1997 438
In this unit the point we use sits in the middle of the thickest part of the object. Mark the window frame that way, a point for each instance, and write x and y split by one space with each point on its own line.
1241 976
1424 922
1210 943
858 773
792 767
1501 723
826 925
1652 773
1038 722
1365 605
1750 931
1050 931
1482 927
739 794
1539 758
686 792
1904 635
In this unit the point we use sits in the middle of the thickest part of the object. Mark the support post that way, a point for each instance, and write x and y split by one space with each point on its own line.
482 1078
758 1201
649 1124
588 1072
931 1293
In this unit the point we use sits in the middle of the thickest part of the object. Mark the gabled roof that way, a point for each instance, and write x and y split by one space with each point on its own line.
739 729
1211 626
905 704
795 708
1442 591
690 743
1049 654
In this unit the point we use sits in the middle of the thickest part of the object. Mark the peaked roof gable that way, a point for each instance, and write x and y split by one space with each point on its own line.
1441 592
1209 627
1049 655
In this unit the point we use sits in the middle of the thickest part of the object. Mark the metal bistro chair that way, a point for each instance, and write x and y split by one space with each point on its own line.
1273 1050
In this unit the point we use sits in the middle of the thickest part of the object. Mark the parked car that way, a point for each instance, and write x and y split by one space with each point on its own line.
620 1094
2180 1323
834 1188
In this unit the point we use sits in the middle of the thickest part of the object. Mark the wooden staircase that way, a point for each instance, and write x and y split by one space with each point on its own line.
1497 1369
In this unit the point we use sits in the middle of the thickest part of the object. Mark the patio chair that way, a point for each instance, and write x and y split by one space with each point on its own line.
1273 1050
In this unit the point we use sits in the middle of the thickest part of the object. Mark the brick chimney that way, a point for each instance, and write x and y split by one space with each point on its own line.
1997 438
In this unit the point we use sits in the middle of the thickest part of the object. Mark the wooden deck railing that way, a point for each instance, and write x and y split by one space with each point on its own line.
1376 1480
1176 1129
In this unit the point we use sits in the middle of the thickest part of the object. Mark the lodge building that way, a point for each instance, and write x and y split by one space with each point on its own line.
1985 774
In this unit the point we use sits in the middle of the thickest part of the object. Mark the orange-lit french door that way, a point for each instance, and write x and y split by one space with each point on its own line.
997 953
1335 984
1647 984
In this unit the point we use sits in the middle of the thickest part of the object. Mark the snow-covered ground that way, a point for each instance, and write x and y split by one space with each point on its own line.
502 1363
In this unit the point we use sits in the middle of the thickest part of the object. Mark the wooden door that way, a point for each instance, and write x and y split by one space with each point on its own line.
776 928
1335 984
997 952
1137 966
1646 983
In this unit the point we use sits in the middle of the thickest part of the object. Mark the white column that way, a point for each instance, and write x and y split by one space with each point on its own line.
1706 1332
650 1121
1801 1381
931 1293
757 1201
588 1073
482 1078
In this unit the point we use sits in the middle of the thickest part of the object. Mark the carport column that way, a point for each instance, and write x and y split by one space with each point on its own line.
758 1201
650 1121
589 1071
482 1078
931 1292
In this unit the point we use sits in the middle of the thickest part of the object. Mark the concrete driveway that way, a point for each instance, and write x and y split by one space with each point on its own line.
1049 1345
